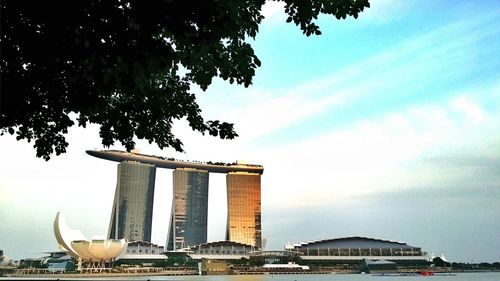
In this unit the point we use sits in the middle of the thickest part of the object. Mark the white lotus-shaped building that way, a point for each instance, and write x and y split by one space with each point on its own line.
76 245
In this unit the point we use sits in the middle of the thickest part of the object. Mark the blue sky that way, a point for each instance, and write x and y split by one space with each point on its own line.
387 126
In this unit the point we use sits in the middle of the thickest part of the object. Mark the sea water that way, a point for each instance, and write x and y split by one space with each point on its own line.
476 276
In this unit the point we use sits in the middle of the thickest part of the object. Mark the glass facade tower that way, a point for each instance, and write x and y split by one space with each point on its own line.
132 212
243 208
188 222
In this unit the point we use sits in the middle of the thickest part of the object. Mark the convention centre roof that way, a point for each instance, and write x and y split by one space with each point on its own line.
353 242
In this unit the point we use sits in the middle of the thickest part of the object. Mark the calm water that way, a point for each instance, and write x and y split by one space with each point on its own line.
486 276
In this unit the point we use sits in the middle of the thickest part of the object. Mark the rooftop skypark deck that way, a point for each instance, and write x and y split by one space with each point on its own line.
171 163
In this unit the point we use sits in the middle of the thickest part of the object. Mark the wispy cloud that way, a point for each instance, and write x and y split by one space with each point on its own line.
380 11
384 11
274 11
385 153
431 58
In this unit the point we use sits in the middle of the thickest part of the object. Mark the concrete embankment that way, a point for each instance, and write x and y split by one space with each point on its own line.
55 276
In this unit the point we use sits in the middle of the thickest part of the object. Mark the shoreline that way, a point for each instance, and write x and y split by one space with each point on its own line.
57 276
64 276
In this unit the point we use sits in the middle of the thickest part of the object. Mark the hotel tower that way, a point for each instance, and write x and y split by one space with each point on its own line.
132 213
131 217
243 208
188 222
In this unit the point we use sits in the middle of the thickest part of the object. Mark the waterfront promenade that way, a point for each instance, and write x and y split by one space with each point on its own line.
180 271
103 272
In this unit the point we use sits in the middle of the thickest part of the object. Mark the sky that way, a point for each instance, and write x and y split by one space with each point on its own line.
387 126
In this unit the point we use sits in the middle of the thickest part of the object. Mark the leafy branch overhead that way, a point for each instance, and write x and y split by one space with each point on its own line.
129 65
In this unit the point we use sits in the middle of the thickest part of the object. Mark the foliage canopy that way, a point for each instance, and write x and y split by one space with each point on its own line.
129 65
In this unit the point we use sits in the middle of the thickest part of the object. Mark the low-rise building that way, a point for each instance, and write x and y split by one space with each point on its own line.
214 267
221 250
142 253
352 250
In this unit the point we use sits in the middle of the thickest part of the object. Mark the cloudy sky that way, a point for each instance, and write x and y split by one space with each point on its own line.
387 126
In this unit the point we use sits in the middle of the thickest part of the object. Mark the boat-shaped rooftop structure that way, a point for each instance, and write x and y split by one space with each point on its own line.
171 163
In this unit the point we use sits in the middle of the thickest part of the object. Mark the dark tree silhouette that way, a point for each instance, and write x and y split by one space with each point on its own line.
439 262
129 65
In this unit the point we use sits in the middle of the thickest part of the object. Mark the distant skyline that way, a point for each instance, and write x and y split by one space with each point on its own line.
387 126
